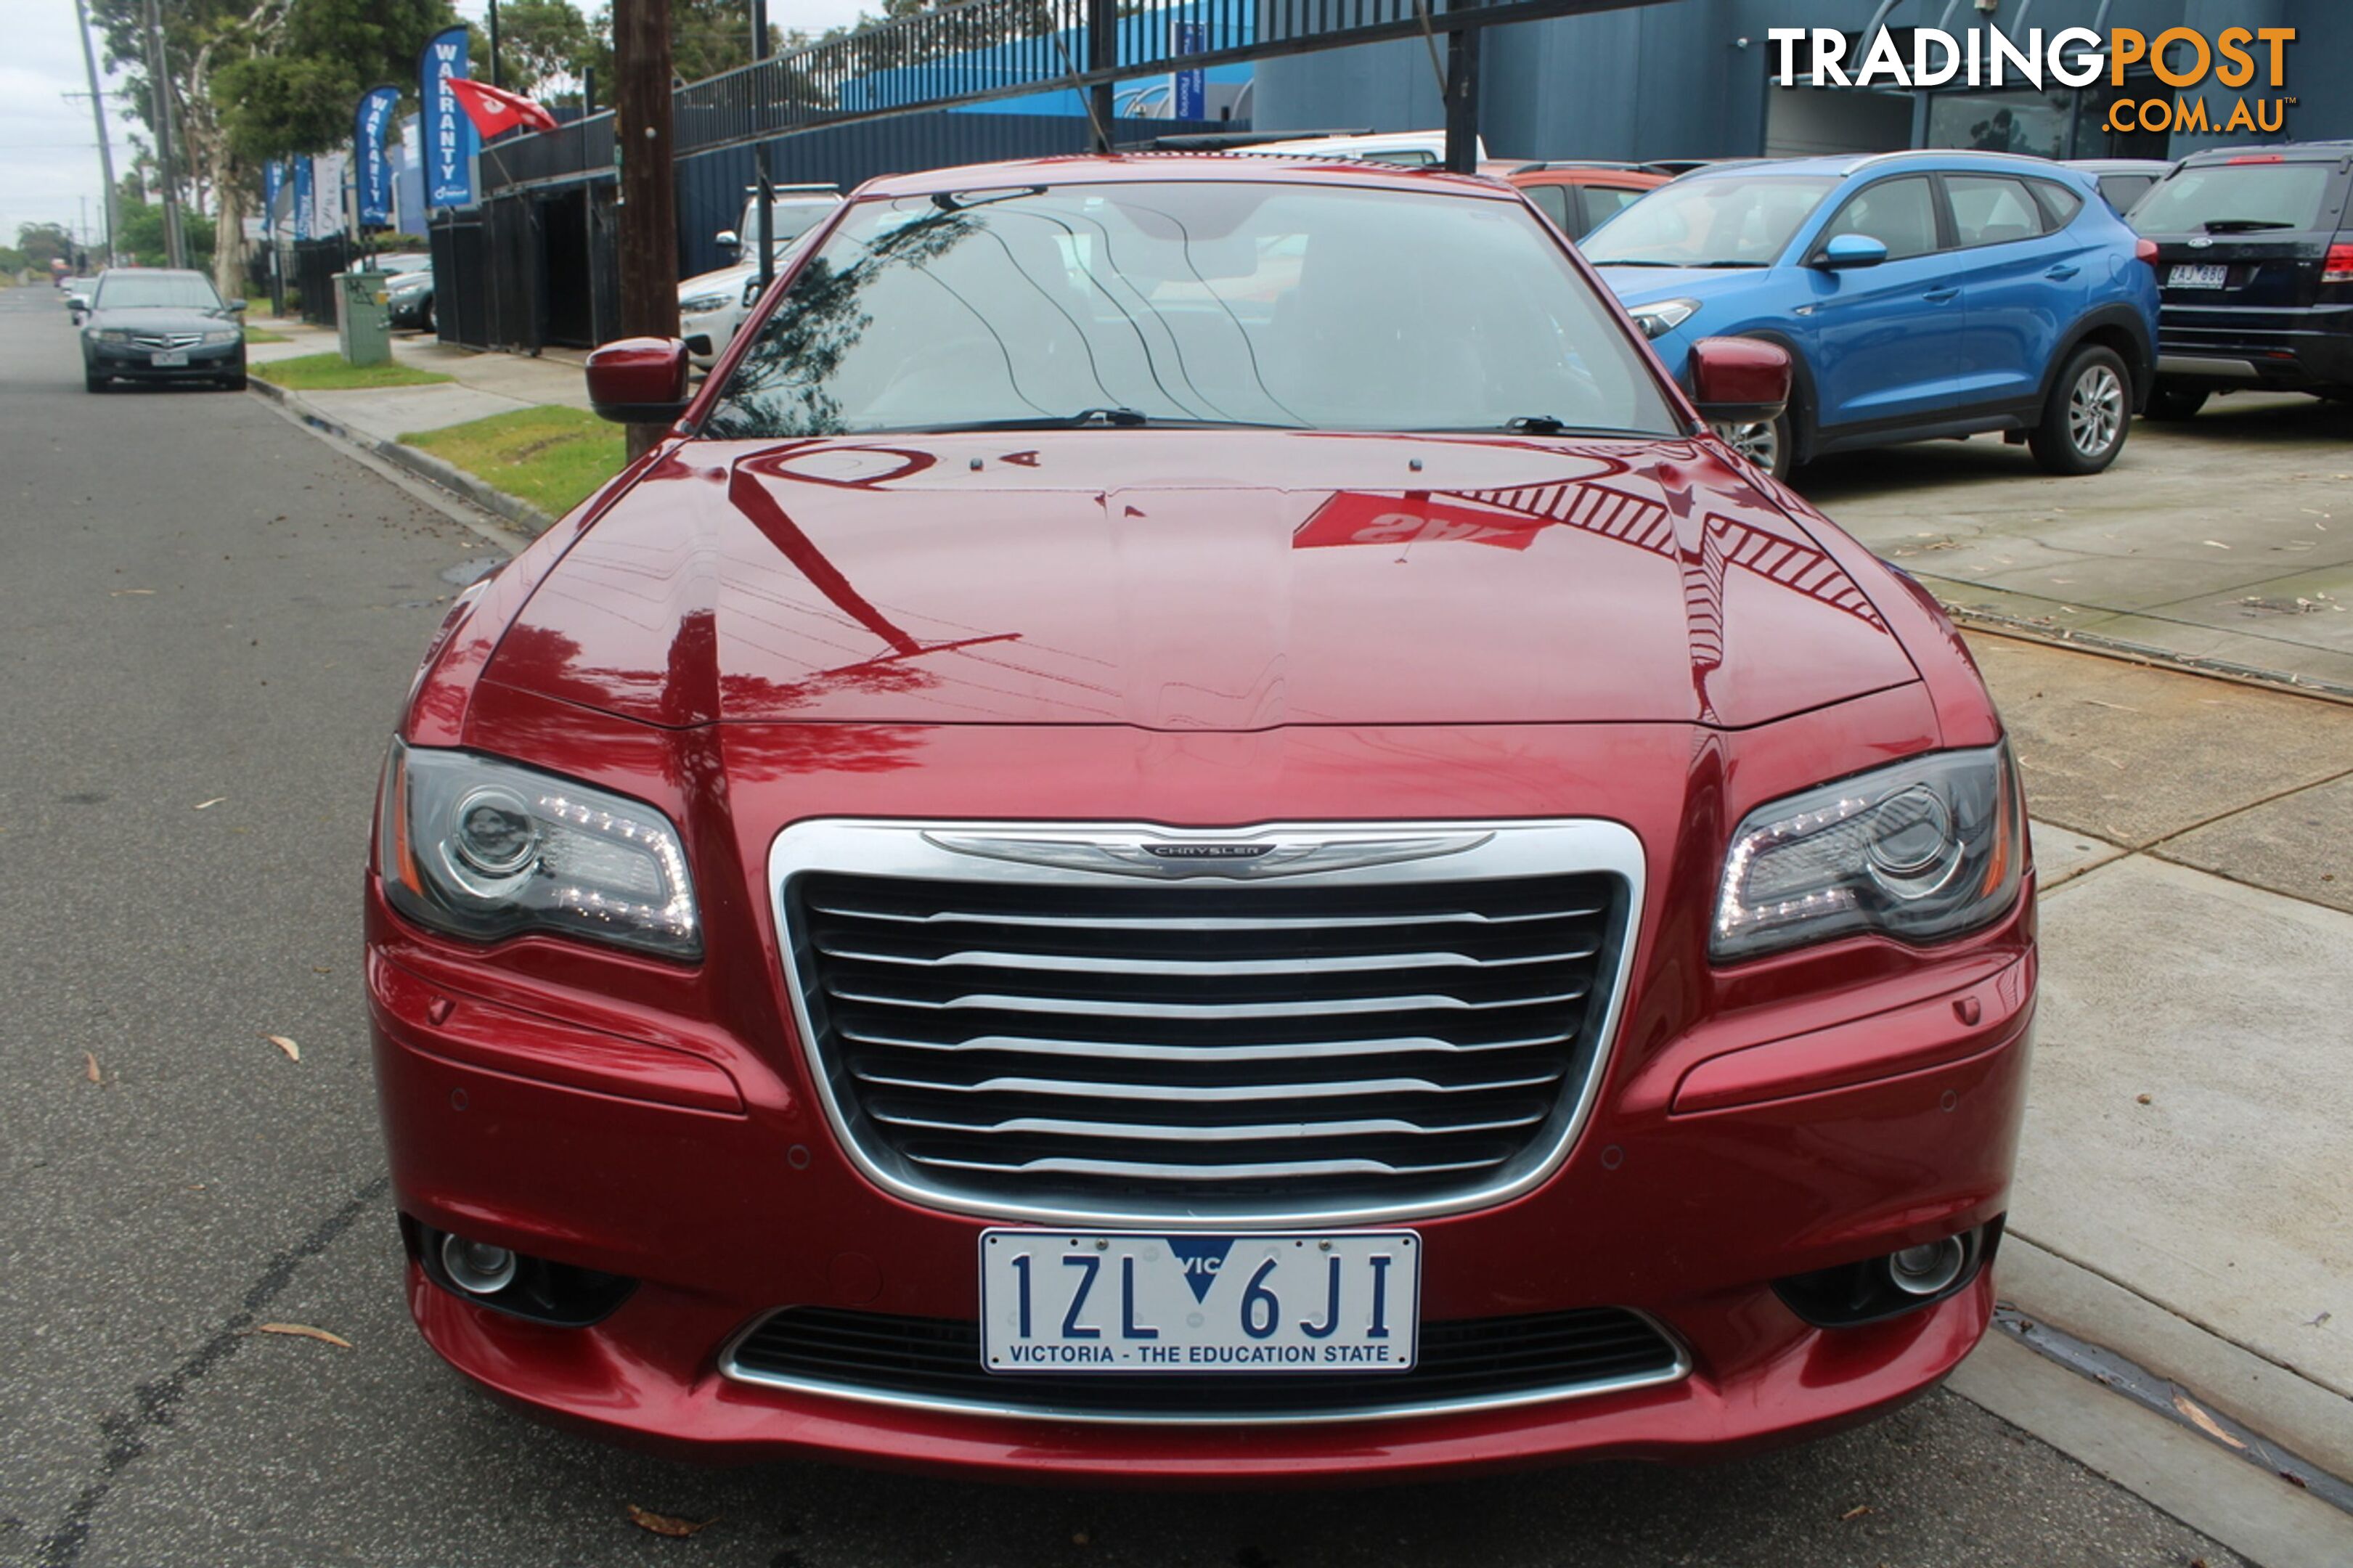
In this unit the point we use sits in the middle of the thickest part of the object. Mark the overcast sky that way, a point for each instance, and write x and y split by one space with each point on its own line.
48 148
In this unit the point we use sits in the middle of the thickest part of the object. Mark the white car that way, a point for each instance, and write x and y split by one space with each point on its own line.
1407 149
712 305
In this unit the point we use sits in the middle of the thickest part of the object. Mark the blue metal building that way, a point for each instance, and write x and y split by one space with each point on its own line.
1689 78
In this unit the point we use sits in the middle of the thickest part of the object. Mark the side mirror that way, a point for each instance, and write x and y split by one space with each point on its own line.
1740 381
237 307
1849 250
638 381
77 303
730 241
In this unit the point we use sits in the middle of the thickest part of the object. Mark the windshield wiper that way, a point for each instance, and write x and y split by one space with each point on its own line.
2241 225
1695 265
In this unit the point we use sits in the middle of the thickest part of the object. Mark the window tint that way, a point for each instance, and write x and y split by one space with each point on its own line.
2061 204
1553 202
2235 198
1899 214
2122 190
1990 210
1729 220
1603 202
123 291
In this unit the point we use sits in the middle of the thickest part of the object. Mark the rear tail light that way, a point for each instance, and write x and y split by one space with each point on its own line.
2339 268
2256 158
2145 250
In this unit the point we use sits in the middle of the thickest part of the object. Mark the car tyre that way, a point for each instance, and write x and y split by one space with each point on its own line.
2088 414
2176 402
1768 443
425 316
93 382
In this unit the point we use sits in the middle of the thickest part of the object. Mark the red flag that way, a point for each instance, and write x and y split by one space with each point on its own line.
494 108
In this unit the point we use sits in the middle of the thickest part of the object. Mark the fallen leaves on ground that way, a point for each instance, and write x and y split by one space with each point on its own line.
118 593
208 805
1857 1511
304 1330
90 1067
667 1524
293 1052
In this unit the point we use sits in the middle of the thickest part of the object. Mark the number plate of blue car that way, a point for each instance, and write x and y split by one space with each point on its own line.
1066 1301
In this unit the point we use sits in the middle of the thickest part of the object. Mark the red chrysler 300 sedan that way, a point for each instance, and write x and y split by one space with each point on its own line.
1190 828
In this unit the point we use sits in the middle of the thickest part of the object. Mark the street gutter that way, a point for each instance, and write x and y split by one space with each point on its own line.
524 516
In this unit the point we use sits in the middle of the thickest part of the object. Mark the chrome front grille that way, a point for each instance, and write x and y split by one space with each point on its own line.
166 340
1026 1034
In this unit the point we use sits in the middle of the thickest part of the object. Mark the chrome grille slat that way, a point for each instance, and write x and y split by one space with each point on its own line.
1304 1050
1211 924
1027 1037
1061 1127
1198 1094
1096 1007
1083 963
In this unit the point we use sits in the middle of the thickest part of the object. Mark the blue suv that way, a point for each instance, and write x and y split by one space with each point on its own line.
1923 295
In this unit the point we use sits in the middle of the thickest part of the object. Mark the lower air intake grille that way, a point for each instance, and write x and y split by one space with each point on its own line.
1466 1364
1090 1043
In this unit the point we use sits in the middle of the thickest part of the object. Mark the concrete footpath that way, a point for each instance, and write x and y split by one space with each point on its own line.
2185 1183
375 418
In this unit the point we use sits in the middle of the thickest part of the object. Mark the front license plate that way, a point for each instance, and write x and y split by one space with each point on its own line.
2187 276
167 358
1058 1300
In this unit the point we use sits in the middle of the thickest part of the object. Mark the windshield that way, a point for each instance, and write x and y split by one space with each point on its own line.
177 290
1311 307
2234 197
1736 221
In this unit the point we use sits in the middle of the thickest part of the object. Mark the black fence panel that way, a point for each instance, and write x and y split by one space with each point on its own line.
462 280
314 265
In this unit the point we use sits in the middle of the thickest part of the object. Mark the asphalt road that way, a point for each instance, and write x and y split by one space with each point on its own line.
210 616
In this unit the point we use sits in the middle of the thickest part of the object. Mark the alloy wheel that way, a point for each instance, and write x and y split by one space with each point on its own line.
2096 410
1758 440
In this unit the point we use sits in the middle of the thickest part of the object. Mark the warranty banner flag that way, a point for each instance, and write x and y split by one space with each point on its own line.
371 128
448 134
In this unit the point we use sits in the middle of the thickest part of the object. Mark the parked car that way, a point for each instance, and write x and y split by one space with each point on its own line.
2122 180
1175 735
1922 294
1581 196
1405 148
712 305
2254 252
408 299
154 325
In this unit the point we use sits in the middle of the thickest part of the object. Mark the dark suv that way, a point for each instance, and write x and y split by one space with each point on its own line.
2255 258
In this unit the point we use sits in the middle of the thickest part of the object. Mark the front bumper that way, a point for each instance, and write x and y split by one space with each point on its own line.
2247 349
128 363
708 1174
708 333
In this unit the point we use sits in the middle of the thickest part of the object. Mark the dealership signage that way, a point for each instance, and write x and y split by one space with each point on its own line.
371 125
2180 58
448 134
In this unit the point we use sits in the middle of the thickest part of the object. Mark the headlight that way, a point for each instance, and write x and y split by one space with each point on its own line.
696 305
113 335
222 335
485 849
751 292
1657 320
1921 851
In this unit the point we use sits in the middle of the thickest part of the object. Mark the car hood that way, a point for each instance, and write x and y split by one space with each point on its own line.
157 318
1642 285
726 280
1197 580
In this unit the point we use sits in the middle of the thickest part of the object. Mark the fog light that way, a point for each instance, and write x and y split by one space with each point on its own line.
477 1266
1925 1270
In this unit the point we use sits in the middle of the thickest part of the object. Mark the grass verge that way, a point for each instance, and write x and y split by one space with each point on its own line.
328 372
550 457
264 335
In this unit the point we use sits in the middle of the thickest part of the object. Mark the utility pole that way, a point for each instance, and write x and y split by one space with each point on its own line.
175 250
1463 95
766 235
494 44
648 219
97 113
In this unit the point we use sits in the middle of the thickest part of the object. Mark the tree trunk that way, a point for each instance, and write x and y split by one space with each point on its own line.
228 230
